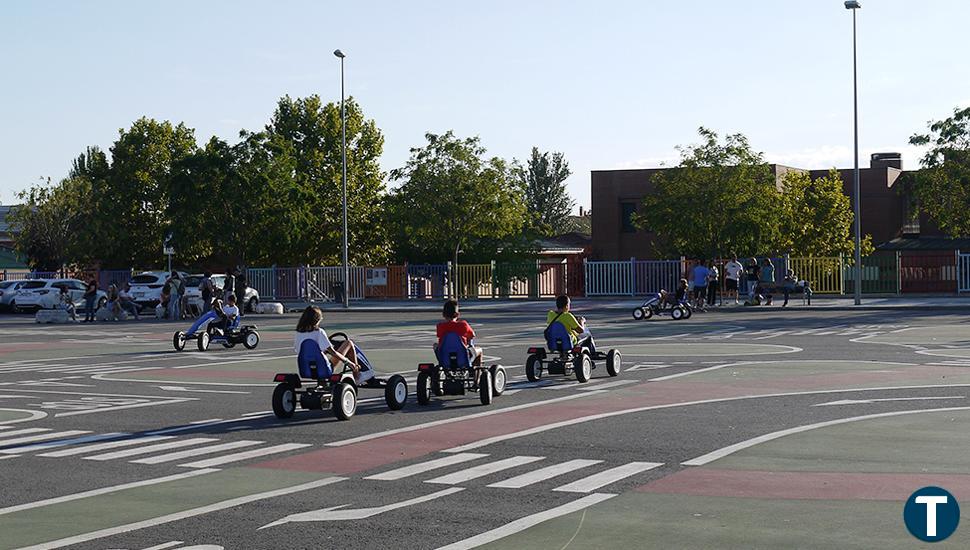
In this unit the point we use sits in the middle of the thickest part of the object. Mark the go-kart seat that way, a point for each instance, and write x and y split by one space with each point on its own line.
452 353
234 323
312 362
557 338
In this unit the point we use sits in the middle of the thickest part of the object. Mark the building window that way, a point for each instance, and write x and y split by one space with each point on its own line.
627 210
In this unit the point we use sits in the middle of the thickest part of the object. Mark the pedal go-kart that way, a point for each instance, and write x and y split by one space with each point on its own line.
655 305
453 374
202 332
339 392
565 359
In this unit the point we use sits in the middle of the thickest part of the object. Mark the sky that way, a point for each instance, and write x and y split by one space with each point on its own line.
611 84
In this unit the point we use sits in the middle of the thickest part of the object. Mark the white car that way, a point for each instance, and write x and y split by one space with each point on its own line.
194 295
8 289
146 287
37 294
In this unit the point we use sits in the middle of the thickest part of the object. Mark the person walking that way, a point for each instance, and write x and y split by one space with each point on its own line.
713 283
699 274
767 279
751 272
732 276
90 295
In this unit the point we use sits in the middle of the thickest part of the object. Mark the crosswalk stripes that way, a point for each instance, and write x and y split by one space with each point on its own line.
22 432
476 472
42 437
543 474
408 471
72 451
179 455
595 481
151 448
61 443
255 453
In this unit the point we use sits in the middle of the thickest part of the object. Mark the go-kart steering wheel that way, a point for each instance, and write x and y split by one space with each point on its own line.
337 339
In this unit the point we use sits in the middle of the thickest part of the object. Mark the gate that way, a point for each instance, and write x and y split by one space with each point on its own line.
426 281
963 272
824 274
651 276
609 279
326 283
928 272
880 274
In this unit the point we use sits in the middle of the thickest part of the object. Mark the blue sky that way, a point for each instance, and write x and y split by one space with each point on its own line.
610 84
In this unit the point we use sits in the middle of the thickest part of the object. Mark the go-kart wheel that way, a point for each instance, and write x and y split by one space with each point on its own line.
639 314
203 341
344 401
688 311
677 313
228 344
614 362
178 340
424 388
648 312
533 368
396 392
499 379
583 367
436 388
284 401
251 340
485 387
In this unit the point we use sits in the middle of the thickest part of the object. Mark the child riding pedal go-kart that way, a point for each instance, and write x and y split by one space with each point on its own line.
570 346
459 363
220 325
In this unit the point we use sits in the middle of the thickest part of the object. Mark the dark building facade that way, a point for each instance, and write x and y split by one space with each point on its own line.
617 194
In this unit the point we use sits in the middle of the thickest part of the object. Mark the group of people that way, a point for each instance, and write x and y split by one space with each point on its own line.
759 280
117 301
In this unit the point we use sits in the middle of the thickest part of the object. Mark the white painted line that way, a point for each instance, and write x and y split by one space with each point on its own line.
54 444
151 448
333 514
23 431
595 481
42 437
102 491
408 471
415 427
135 406
605 385
529 521
5 427
731 449
231 503
218 461
484 470
165 545
8 456
205 424
543 474
102 446
178 455
869 401
698 371
199 390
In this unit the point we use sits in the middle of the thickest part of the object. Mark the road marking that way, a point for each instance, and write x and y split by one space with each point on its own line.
484 470
543 474
103 491
731 449
41 437
245 455
23 431
697 371
196 390
335 514
151 448
205 424
165 545
231 503
416 427
605 385
8 456
53 444
529 521
421 467
595 481
169 457
868 401
166 401
102 446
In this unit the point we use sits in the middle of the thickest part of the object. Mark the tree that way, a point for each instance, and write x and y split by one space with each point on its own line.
51 221
817 217
548 201
942 187
453 199
720 199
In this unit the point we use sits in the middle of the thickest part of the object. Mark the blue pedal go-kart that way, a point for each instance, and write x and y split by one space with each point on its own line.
565 359
655 305
204 334
453 374
338 392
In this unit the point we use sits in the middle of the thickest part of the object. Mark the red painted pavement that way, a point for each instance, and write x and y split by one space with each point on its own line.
712 482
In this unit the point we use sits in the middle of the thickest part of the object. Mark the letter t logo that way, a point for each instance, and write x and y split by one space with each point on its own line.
930 502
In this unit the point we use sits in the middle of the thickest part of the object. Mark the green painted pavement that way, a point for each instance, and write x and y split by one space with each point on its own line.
67 519
637 520
13 415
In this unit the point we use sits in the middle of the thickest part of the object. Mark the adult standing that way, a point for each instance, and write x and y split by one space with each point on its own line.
241 290
229 285
732 276
767 279
206 288
175 299
713 283
751 272
90 295
699 275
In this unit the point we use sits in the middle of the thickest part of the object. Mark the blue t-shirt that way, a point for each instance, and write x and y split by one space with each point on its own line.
700 275
767 274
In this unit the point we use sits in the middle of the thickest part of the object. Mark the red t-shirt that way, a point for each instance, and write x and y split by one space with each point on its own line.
461 328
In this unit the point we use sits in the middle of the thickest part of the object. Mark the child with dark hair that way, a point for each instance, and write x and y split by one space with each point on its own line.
575 327
452 324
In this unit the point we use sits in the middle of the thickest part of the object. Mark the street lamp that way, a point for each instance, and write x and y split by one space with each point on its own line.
857 284
343 154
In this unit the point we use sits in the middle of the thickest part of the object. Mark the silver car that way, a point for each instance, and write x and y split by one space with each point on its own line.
8 289
194 295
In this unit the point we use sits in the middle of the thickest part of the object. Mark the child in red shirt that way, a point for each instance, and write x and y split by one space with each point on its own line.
451 324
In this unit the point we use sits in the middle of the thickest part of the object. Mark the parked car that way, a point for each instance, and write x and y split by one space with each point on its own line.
146 287
8 289
37 294
192 292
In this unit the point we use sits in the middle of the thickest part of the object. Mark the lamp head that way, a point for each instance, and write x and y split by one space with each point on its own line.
341 55
852 5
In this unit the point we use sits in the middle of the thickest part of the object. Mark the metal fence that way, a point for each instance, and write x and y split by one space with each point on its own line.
427 281
610 279
880 274
824 274
650 276
963 269
928 273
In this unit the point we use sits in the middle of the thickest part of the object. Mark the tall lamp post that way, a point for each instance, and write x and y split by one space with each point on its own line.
857 282
343 154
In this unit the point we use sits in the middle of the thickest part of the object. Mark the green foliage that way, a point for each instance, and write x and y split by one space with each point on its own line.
721 199
453 199
548 201
817 217
52 222
942 187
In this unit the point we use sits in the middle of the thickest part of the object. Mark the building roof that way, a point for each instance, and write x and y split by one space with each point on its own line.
926 243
